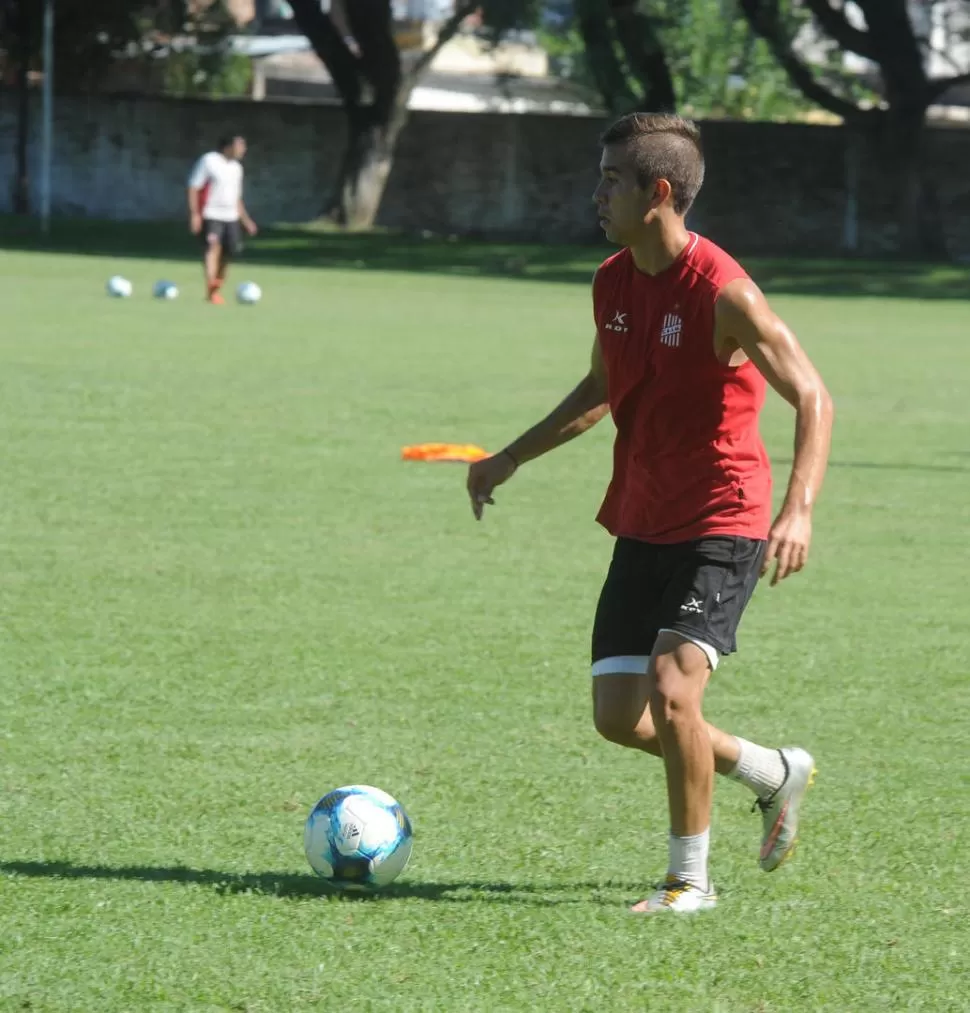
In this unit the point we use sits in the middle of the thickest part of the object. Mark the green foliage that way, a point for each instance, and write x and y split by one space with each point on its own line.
212 74
91 35
209 68
501 16
169 17
719 66
567 55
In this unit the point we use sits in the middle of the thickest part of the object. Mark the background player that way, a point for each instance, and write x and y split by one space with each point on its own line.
216 210
685 342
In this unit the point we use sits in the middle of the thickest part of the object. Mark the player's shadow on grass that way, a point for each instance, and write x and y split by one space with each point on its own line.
888 466
301 886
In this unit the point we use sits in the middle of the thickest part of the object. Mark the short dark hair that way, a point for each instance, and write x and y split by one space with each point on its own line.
226 141
663 146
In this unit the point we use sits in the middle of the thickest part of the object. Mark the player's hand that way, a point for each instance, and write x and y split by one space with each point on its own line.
484 477
195 224
788 543
250 226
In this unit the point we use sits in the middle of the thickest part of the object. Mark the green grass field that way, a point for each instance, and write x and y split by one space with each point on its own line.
223 594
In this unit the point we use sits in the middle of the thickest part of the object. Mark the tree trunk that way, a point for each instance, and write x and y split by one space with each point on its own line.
373 127
920 225
890 40
601 58
366 166
645 56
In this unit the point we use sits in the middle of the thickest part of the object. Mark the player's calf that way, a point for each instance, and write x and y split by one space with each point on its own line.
212 261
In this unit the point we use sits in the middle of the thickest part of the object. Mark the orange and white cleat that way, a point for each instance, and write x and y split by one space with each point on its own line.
675 895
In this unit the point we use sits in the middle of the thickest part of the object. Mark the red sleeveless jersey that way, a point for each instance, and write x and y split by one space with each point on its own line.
688 460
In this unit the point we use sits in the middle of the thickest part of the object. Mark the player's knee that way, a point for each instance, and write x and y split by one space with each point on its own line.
674 696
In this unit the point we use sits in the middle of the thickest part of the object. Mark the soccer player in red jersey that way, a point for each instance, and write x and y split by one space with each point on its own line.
685 345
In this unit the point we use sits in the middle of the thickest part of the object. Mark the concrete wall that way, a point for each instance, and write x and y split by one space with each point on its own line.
770 187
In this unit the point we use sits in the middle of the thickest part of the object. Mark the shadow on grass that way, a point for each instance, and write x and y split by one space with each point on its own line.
315 247
320 247
952 469
299 886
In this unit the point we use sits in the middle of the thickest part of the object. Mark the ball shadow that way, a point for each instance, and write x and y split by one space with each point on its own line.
302 886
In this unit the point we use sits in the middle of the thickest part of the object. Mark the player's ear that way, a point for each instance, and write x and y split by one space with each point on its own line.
661 192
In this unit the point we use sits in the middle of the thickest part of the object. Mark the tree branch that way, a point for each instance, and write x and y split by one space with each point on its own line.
940 86
371 24
763 17
448 30
604 66
928 49
342 65
645 56
835 23
897 51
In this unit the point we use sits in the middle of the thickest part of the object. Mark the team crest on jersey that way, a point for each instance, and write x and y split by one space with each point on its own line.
671 330
618 323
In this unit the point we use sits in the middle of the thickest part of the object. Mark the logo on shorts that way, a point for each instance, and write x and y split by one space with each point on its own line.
694 605
618 323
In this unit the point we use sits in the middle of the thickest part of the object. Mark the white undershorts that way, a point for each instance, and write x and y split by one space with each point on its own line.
638 664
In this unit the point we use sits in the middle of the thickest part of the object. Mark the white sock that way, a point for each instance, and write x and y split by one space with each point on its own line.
688 859
759 768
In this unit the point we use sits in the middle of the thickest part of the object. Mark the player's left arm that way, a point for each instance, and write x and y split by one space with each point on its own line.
745 322
247 223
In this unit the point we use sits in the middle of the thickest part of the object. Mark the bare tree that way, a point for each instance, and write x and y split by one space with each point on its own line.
890 40
374 88
640 78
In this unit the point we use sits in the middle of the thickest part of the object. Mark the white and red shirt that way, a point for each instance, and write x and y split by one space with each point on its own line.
220 179
688 460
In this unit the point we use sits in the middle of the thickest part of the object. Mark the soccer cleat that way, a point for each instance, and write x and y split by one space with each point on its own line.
779 811
216 298
675 895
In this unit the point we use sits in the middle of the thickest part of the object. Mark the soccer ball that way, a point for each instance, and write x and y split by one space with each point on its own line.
358 838
249 292
118 287
165 290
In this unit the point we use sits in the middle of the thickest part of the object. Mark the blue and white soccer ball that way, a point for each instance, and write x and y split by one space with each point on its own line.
165 290
118 287
249 292
358 838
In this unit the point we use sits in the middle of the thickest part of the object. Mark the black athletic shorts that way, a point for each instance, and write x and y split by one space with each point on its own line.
227 234
698 589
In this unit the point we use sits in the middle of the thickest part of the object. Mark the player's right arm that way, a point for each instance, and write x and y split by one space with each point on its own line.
580 410
197 181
